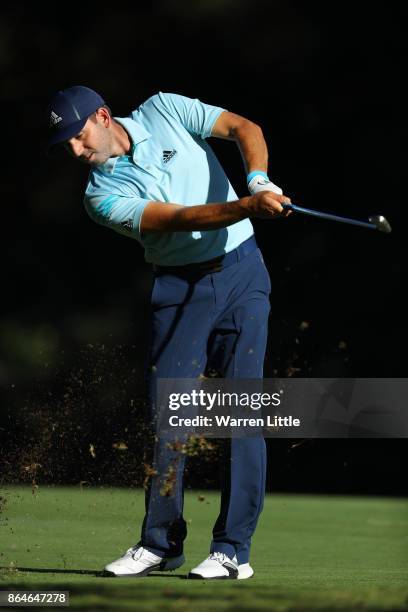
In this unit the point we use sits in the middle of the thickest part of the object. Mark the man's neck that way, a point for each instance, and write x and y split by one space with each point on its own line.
122 140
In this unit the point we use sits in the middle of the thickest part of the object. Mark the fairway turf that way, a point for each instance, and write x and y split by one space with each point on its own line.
309 553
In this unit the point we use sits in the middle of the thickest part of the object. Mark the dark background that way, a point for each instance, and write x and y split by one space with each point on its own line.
326 83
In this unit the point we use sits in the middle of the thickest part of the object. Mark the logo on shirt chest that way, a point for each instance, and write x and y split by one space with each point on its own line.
168 154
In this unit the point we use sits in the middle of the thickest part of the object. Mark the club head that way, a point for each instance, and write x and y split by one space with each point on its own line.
381 223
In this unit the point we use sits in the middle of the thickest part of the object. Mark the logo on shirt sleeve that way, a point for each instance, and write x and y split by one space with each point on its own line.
128 224
168 154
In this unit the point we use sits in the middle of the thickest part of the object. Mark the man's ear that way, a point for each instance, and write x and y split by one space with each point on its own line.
103 116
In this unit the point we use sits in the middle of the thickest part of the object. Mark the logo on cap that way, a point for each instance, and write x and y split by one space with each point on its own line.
54 119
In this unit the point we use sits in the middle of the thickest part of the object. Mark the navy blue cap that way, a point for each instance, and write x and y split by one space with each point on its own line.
69 110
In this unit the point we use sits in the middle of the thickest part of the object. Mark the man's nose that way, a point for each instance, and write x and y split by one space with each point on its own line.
76 147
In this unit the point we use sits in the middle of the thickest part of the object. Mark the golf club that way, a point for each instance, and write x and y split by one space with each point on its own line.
376 222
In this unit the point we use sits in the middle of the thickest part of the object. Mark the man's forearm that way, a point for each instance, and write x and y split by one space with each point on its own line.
248 137
159 217
210 216
167 217
252 145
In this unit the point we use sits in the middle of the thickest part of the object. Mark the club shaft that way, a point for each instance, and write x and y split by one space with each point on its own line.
322 215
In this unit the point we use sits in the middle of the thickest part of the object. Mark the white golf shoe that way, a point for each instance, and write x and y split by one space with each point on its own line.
137 561
245 571
216 566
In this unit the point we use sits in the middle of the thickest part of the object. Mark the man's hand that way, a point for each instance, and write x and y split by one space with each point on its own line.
267 205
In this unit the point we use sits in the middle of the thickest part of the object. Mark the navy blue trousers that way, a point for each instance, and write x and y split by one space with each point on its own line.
216 322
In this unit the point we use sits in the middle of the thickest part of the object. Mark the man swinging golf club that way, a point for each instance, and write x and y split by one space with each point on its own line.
154 178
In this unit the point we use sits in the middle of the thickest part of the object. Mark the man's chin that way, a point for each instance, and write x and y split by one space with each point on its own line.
92 161
96 161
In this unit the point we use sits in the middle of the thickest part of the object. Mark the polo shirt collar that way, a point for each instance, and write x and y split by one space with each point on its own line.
137 134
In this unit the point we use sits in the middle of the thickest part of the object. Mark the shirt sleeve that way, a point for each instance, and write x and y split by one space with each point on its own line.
120 213
198 118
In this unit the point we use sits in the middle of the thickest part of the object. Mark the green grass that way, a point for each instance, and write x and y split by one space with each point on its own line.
309 552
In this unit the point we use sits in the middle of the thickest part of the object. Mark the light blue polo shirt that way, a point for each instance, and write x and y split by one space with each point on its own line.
170 161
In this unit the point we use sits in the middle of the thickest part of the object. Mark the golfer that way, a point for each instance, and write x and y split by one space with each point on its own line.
154 178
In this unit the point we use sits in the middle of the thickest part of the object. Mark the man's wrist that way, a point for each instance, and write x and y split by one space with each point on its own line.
244 205
259 183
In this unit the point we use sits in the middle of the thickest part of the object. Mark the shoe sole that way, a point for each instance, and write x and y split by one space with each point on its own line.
243 576
167 565
198 577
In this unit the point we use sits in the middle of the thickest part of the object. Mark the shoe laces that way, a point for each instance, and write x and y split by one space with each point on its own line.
138 551
133 551
220 557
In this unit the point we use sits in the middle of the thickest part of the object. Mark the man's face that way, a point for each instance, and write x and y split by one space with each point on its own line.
93 144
